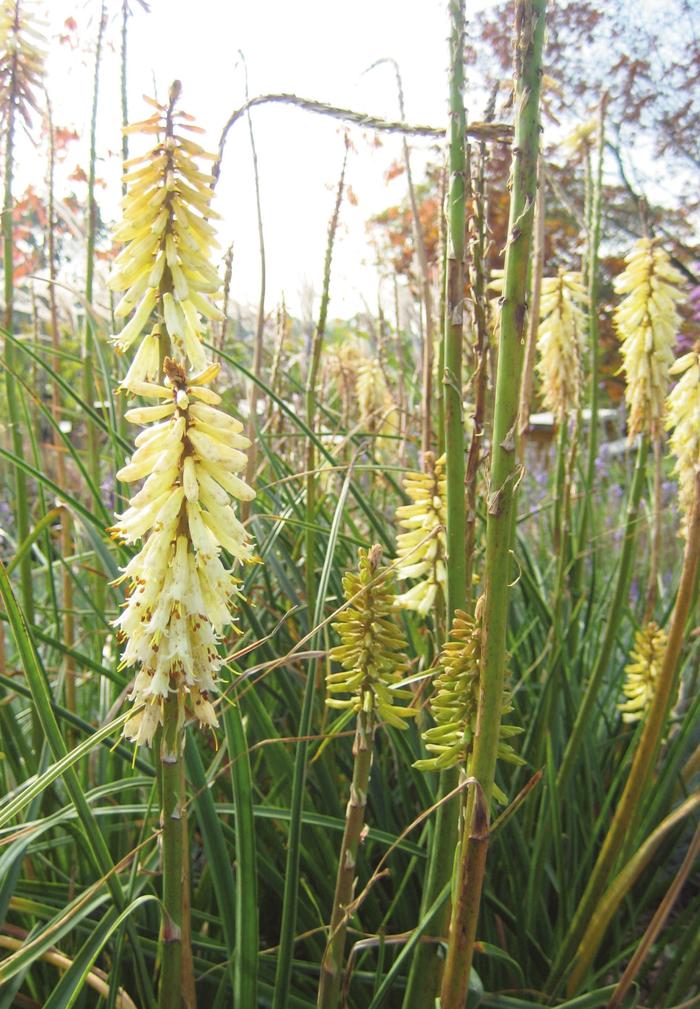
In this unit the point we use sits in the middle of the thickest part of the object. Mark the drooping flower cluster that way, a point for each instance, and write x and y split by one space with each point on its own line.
371 648
647 656
164 268
455 701
421 549
559 336
683 418
180 592
22 54
647 322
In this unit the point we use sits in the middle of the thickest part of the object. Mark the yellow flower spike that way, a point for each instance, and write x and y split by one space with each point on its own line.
164 266
454 704
181 595
421 548
371 648
647 655
647 323
562 322
683 419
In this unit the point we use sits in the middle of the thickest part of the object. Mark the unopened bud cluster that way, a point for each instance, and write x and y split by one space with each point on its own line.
455 701
371 648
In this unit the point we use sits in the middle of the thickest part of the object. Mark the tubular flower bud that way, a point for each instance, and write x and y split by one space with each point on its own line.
164 268
647 322
454 704
647 655
559 342
683 418
22 55
370 649
421 549
180 594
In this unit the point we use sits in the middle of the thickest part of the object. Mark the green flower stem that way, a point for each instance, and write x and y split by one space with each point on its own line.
594 216
529 37
169 995
624 572
311 381
638 779
426 966
21 500
334 956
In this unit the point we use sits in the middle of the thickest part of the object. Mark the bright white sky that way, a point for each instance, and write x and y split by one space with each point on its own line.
314 48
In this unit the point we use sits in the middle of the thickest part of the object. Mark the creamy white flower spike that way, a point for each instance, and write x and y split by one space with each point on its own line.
181 595
683 418
647 322
562 322
421 549
164 268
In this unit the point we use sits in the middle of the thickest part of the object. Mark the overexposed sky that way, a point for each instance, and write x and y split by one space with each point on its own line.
312 48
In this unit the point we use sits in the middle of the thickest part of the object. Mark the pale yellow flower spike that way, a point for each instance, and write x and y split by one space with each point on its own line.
559 342
647 656
180 594
164 268
647 323
378 413
683 418
421 549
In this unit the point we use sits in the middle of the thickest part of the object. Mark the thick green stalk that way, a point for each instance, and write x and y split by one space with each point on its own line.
334 956
312 377
624 573
169 995
478 289
453 332
21 500
426 967
644 756
529 37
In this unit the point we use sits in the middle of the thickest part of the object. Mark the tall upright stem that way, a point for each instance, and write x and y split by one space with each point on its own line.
21 501
89 336
311 379
478 289
533 318
424 978
594 354
334 956
172 778
529 37
66 534
260 322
